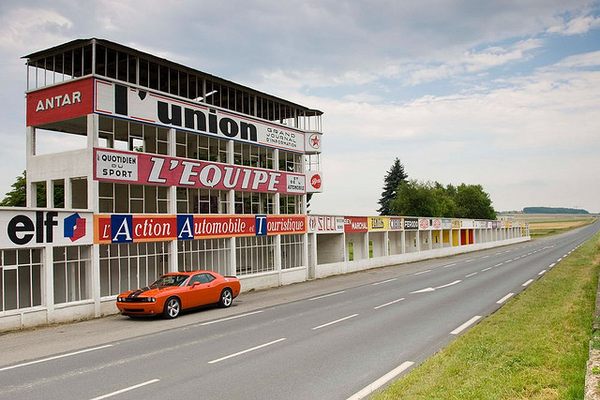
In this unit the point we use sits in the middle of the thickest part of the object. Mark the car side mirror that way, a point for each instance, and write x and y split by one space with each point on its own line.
195 284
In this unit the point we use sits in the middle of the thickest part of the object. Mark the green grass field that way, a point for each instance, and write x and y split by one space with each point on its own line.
535 347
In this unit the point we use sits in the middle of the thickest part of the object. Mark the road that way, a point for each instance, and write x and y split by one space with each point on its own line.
326 346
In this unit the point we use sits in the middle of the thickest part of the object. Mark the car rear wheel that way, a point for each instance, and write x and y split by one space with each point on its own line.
172 308
226 298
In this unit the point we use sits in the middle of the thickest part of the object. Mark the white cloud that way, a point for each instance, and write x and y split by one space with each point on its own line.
576 26
530 142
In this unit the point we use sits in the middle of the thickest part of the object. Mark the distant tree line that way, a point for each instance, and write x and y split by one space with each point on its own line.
553 210
432 199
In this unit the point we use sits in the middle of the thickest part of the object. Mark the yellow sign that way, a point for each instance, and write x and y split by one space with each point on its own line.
378 224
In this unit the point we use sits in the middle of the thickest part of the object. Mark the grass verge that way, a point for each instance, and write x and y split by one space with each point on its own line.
535 347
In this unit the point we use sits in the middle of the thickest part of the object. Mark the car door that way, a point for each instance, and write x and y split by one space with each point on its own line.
207 292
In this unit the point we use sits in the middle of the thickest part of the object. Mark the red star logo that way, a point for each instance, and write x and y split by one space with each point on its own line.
315 141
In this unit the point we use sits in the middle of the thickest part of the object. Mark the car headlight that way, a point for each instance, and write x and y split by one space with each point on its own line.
119 299
151 299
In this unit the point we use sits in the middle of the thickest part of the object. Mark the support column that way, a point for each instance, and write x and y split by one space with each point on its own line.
386 243
48 281
430 237
403 246
172 201
96 293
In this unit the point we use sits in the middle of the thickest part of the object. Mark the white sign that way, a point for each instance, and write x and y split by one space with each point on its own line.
313 142
325 224
116 166
468 223
295 184
26 228
147 106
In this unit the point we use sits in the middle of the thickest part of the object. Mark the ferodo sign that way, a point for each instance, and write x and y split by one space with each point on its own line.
154 169
61 102
37 228
129 228
147 106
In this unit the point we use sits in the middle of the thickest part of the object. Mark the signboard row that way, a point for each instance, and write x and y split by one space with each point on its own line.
128 228
84 96
338 224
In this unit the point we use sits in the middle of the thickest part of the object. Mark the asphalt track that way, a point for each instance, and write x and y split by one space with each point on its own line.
314 344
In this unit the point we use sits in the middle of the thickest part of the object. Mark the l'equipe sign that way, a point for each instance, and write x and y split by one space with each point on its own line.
154 169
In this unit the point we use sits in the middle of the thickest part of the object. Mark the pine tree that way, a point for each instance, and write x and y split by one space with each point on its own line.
392 180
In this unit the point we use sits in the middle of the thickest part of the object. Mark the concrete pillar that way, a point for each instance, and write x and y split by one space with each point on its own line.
48 281
403 245
386 243
430 238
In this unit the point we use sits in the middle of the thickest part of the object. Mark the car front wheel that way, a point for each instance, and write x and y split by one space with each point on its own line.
172 308
226 298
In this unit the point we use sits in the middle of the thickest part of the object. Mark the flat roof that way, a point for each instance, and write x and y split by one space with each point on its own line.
83 42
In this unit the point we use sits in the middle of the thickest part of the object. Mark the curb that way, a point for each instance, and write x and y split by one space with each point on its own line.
592 380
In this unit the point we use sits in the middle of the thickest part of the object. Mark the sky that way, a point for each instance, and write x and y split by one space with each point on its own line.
505 94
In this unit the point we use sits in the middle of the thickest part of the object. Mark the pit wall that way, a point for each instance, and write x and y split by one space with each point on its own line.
331 245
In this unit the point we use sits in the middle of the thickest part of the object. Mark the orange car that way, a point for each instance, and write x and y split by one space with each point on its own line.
177 291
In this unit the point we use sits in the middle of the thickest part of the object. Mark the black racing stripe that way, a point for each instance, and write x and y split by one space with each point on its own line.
138 292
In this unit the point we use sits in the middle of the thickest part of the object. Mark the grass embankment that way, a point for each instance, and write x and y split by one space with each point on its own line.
551 227
535 347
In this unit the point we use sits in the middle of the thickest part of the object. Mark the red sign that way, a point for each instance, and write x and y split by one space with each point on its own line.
60 103
423 223
286 224
356 224
136 228
154 169
436 224
214 226
315 181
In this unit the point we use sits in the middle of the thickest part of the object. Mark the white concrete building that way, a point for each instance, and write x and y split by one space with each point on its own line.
137 166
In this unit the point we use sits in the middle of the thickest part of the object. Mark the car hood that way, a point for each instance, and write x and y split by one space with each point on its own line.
149 292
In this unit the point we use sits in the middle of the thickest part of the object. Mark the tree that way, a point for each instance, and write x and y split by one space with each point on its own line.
474 202
434 200
394 177
17 196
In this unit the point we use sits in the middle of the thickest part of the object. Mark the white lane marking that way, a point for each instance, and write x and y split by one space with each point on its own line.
527 283
498 253
422 272
465 325
429 289
469 260
551 265
449 265
334 322
388 304
370 388
565 255
486 269
470 275
382 282
127 389
542 272
230 318
485 257
499 264
448 284
507 261
559 260
507 251
502 300
327 295
246 351
54 357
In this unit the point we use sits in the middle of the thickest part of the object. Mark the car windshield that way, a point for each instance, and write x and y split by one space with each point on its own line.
169 280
